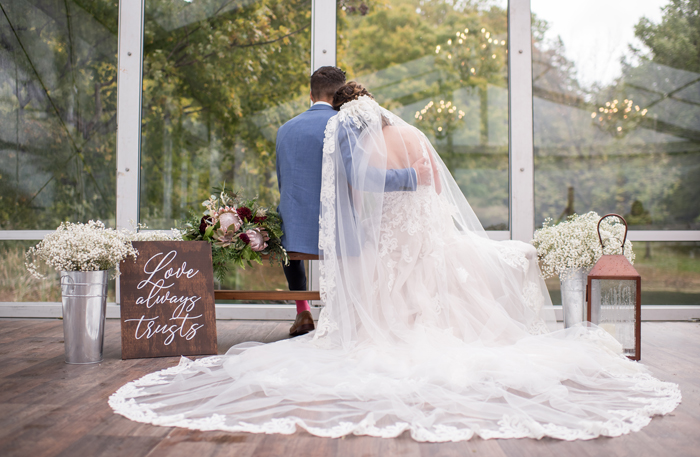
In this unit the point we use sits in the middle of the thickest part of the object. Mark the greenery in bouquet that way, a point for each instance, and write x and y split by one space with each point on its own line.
80 247
573 244
240 232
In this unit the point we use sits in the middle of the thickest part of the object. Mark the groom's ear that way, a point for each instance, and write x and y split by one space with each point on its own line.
311 96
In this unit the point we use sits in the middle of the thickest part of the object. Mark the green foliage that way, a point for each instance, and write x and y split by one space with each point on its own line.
57 113
675 41
218 82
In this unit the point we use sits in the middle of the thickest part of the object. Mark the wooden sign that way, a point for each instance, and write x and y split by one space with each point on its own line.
167 300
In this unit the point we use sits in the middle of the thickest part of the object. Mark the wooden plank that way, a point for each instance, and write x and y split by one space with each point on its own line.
298 256
186 443
237 332
133 446
266 295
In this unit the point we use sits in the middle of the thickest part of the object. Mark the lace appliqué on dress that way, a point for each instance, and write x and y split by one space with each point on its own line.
361 112
514 257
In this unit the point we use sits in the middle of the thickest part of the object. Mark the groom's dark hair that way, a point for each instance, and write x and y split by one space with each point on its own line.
325 81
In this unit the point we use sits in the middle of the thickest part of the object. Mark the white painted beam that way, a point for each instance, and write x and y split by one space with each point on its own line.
522 166
323 33
130 66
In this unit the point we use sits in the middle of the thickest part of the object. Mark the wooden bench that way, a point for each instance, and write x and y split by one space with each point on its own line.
272 294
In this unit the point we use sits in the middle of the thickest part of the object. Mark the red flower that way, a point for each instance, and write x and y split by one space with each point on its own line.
244 237
244 213
258 220
204 223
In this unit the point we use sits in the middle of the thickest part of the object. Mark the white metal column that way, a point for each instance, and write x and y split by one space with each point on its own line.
522 166
129 75
323 53
130 64
323 36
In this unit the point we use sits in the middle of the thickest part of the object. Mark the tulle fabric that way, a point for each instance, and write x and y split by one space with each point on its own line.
428 325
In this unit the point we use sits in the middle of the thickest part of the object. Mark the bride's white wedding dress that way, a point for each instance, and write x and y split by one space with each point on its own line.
428 326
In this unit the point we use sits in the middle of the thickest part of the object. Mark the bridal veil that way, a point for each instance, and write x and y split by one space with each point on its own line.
428 326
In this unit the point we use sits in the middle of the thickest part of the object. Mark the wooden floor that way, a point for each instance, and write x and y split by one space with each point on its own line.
48 408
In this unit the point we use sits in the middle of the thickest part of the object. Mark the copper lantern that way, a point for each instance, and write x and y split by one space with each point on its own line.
614 298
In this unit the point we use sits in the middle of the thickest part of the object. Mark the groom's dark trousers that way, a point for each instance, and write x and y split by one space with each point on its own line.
296 274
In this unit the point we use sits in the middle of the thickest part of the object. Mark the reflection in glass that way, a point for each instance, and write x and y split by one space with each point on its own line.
617 111
57 112
219 79
670 273
443 67
614 309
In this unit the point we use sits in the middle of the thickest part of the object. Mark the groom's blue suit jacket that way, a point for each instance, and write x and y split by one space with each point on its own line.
299 157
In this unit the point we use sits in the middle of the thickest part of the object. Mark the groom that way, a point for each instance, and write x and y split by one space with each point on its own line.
299 156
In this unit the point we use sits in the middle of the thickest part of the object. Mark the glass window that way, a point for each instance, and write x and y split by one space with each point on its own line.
57 112
17 285
441 66
670 273
259 278
616 89
219 79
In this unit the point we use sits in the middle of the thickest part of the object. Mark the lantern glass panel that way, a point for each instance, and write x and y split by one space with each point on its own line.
613 308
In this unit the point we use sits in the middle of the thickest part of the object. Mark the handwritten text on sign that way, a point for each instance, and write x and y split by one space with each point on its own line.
168 301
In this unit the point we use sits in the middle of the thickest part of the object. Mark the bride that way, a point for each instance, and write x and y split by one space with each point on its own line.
428 325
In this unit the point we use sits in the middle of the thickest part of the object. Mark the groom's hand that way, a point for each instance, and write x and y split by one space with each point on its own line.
424 171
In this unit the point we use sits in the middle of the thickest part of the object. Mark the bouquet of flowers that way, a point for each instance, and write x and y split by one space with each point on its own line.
573 244
240 232
80 247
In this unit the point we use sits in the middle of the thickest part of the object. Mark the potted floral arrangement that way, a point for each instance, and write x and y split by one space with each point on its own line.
240 232
83 254
570 249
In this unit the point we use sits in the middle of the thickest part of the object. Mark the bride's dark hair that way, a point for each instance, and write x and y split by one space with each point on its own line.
352 90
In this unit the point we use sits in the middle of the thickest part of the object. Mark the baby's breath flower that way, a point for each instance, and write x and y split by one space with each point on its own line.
80 247
141 233
573 244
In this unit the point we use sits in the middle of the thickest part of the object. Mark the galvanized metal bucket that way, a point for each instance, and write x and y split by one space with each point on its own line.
84 308
573 296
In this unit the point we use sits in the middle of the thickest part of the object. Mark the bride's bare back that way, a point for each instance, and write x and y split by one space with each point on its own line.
404 147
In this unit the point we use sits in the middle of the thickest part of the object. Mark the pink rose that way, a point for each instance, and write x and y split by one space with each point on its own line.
257 240
229 219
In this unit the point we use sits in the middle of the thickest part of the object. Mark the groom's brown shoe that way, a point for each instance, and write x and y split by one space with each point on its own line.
303 324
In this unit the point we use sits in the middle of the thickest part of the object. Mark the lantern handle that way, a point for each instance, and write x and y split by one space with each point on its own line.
623 239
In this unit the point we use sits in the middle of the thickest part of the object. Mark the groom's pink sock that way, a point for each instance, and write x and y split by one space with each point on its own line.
302 305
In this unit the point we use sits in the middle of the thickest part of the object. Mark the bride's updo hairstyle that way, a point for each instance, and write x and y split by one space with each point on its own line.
349 92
